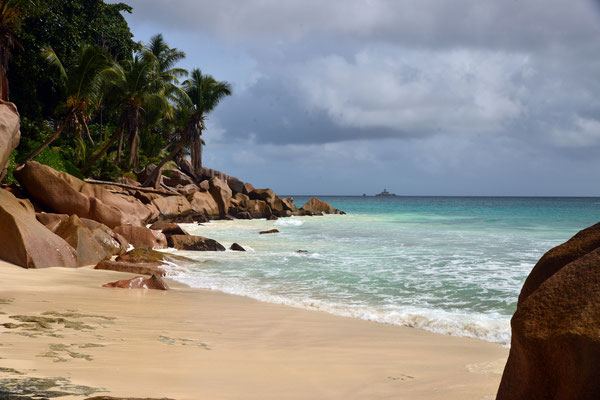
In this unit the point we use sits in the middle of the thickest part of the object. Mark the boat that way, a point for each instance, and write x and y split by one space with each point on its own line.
385 193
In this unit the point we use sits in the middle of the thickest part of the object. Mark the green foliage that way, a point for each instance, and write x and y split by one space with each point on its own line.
9 178
55 158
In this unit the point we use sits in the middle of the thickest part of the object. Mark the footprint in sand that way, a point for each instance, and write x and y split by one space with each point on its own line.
401 377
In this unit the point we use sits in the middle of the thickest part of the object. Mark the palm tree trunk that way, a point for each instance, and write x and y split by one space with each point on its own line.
154 178
118 133
196 153
51 139
134 144
120 148
87 132
3 84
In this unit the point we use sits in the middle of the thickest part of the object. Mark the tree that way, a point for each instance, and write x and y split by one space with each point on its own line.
81 80
202 94
12 14
205 93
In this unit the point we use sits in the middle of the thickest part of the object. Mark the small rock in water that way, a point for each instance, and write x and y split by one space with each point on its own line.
302 251
139 282
236 247
271 231
272 217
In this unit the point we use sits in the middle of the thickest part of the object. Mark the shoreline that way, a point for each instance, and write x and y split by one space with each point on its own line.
190 343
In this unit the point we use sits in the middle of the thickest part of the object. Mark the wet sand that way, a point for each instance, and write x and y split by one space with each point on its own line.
60 330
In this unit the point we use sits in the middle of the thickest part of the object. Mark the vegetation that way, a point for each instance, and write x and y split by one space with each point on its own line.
92 101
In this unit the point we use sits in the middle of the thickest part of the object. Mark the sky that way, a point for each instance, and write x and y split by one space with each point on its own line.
421 97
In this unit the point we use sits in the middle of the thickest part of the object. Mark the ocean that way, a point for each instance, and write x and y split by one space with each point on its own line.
451 265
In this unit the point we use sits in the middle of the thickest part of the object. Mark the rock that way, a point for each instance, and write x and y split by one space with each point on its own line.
77 234
247 188
187 190
555 344
10 133
271 231
140 236
198 243
112 242
172 206
139 282
315 205
258 209
50 220
175 177
147 197
145 255
236 247
168 228
133 268
146 173
243 215
204 186
272 217
302 251
288 204
267 195
221 193
204 203
62 193
123 398
189 219
26 242
128 181
235 185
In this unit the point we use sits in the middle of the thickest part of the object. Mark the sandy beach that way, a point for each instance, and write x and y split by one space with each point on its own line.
60 327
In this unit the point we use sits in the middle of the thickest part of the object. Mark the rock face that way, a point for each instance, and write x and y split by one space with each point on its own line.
140 236
139 282
172 206
64 194
204 203
175 177
221 193
28 243
316 205
168 228
198 243
555 345
77 234
145 255
9 133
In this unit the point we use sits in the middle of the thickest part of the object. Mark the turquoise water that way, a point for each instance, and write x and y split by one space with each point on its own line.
445 264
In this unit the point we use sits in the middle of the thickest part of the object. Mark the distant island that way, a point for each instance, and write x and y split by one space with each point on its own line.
385 193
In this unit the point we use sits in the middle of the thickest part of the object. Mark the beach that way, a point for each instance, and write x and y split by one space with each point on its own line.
190 343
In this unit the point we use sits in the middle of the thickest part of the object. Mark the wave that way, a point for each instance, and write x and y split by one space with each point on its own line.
491 327
288 222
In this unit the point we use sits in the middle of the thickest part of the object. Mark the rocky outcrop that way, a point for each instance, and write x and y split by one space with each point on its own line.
28 243
62 193
140 236
315 205
204 203
197 243
9 133
80 237
168 228
221 193
258 209
236 247
555 345
172 206
139 282
175 177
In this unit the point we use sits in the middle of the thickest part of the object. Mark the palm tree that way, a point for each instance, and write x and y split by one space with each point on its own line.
202 94
12 14
205 93
81 81
146 88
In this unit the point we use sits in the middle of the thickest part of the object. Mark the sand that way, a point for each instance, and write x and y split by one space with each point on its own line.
61 331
